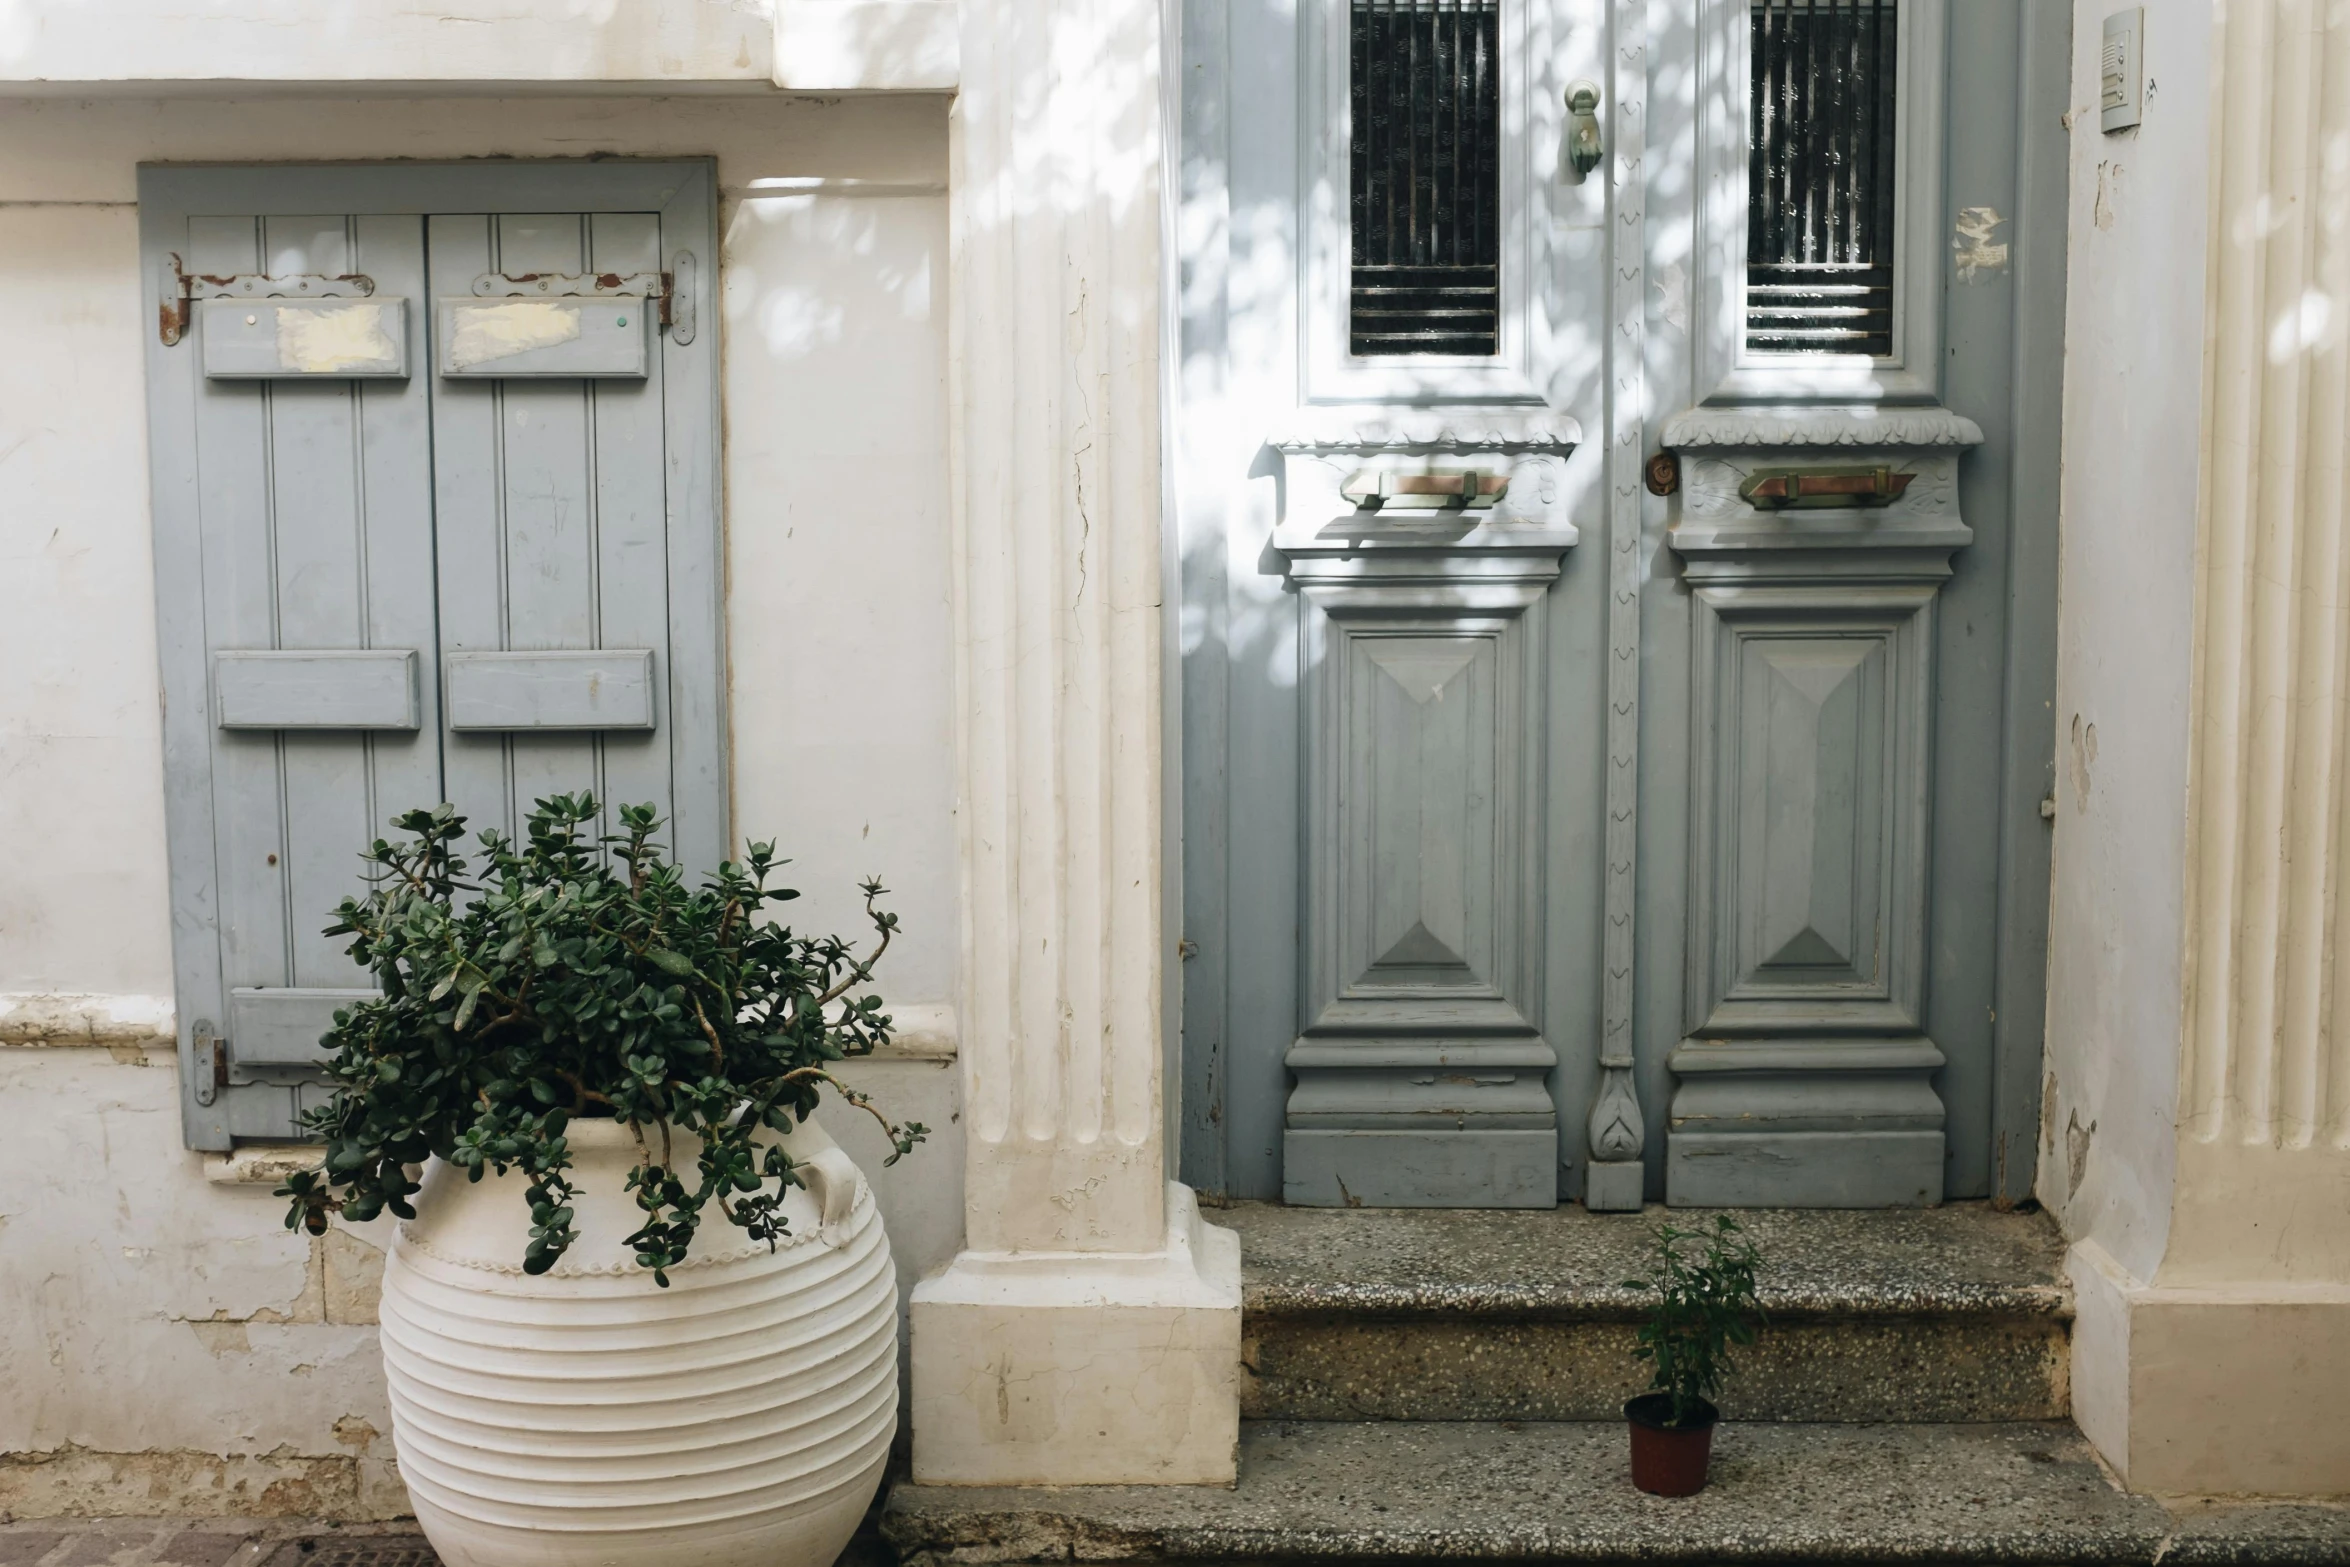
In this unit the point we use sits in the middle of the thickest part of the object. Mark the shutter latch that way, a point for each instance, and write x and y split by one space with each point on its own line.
182 289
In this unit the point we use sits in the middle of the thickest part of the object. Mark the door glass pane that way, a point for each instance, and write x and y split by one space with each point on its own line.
1424 170
1819 195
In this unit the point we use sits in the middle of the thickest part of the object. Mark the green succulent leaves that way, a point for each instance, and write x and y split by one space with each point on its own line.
1705 1306
581 975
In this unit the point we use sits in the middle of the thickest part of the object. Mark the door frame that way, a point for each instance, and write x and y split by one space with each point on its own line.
684 194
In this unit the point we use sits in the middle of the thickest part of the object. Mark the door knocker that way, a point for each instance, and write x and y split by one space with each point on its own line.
1582 142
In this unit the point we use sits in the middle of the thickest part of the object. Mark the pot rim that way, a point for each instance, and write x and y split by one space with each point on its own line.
1652 1410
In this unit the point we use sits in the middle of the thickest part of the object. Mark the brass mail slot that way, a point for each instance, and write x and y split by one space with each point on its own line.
1378 489
1812 489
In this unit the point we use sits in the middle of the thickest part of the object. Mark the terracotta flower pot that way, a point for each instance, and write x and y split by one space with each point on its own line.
1670 1460
586 1417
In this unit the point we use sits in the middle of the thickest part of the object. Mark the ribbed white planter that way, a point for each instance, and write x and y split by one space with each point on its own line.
589 1418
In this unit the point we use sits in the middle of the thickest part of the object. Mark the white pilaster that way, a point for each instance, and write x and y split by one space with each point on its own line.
1090 1331
2181 1378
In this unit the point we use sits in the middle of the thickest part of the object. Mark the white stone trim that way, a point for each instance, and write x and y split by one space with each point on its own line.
1095 1368
263 1164
85 1021
919 1031
1090 1331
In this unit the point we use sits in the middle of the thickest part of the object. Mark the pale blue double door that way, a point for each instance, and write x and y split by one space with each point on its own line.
1417 937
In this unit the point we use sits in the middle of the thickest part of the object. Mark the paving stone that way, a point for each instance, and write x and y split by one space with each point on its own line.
24 1547
2018 1495
202 1547
1952 1314
102 1546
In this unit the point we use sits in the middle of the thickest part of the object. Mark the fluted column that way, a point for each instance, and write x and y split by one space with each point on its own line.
1089 1333
1056 364
2265 1083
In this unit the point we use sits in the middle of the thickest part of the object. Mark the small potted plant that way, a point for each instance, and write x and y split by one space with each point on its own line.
1703 1280
638 1307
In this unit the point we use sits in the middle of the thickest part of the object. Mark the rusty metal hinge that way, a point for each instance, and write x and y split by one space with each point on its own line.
181 290
671 293
211 1064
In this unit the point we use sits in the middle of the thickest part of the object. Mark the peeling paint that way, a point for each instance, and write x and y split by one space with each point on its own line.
2084 758
324 341
222 1337
71 1481
2109 194
355 1433
1672 295
2076 1153
485 333
1971 238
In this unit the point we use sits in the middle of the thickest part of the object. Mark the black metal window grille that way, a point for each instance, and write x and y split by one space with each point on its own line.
1424 166
1820 173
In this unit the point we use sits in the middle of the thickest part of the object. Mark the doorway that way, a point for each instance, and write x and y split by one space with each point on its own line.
1618 531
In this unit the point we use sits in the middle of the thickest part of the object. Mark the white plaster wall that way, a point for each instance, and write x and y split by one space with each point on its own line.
2132 408
83 898
121 41
142 1307
111 1241
65 46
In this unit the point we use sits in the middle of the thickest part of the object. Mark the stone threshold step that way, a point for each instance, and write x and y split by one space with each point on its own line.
1962 1259
1957 1313
2018 1495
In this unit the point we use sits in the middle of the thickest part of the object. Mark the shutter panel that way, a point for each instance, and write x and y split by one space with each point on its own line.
553 540
315 517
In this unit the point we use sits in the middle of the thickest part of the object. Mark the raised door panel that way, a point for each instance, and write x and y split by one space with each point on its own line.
553 506
314 512
1808 882
1809 792
1421 753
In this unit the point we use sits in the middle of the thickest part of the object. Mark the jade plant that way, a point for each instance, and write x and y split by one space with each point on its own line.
1703 1281
579 974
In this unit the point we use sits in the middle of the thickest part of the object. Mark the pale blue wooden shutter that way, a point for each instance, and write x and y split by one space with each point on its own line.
312 583
386 577
554 575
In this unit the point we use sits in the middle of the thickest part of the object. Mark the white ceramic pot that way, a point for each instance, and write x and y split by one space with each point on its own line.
589 1418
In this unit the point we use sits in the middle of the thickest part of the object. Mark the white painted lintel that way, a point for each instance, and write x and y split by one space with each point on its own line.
868 45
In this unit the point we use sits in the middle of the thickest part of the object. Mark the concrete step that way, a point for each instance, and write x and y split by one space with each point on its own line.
2016 1494
1956 1313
